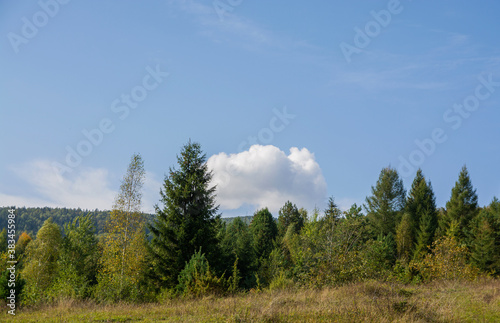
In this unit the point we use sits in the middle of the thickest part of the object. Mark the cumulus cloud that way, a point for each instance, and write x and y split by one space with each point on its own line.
265 176
86 188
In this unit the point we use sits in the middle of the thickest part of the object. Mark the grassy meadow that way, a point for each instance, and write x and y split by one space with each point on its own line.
370 301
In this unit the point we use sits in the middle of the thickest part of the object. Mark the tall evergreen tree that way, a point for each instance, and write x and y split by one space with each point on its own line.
384 208
238 243
462 206
187 220
289 214
332 211
485 238
264 231
421 207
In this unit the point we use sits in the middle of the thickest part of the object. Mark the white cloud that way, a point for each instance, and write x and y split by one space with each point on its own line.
264 176
86 188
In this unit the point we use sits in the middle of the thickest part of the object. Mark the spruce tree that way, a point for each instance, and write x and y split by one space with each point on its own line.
289 214
264 231
187 220
386 204
462 206
238 244
485 238
421 207
332 211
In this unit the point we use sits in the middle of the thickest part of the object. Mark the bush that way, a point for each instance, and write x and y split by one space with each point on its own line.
448 261
196 279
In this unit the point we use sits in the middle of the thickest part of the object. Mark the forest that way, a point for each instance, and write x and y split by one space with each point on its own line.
187 251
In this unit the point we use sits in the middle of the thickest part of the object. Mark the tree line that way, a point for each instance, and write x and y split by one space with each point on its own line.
187 250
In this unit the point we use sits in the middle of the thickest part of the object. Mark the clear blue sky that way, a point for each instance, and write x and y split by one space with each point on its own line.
363 81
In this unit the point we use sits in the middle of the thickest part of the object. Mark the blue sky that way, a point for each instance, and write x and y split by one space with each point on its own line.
329 93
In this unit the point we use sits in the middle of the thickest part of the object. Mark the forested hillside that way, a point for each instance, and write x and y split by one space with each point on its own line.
31 219
187 250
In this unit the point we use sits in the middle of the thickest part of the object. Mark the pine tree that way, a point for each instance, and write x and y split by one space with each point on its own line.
386 204
485 238
187 220
124 243
462 206
421 207
332 212
289 214
264 231
238 244
425 234
483 244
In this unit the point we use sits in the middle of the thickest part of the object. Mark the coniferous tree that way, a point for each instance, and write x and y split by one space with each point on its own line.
238 244
332 212
289 214
462 206
421 207
482 244
264 231
386 204
485 238
187 221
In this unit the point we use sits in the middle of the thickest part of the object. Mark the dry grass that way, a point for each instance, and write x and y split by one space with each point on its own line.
369 301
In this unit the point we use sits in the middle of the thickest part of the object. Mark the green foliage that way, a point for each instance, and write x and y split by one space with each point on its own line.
124 244
3 240
404 237
30 220
328 250
332 212
187 220
448 261
237 245
196 279
78 260
41 266
6 285
380 256
264 231
421 207
289 214
462 206
485 239
387 202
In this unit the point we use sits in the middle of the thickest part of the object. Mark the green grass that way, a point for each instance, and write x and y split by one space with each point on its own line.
369 301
